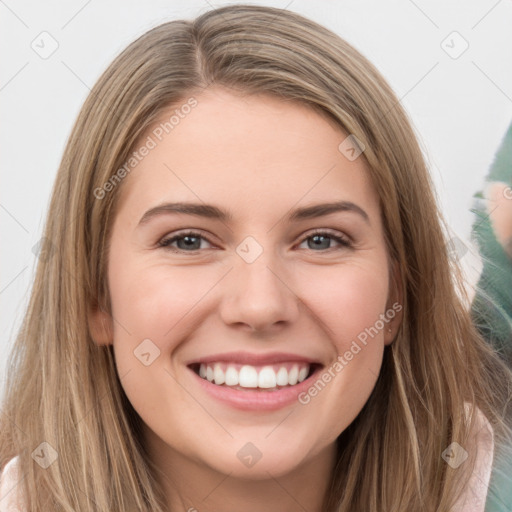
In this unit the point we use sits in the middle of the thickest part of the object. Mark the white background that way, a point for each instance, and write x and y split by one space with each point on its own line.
460 107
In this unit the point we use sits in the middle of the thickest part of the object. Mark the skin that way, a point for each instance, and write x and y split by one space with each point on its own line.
258 157
499 207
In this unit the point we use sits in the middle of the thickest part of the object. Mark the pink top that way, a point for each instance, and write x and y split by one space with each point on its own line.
9 499
473 499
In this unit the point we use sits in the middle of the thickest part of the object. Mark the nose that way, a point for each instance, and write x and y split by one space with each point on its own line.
259 296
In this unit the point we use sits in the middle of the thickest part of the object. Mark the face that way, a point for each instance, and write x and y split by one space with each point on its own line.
248 321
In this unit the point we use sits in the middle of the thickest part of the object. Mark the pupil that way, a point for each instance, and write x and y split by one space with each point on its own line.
189 241
316 239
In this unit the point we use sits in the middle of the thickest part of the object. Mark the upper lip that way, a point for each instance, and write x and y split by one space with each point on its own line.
254 359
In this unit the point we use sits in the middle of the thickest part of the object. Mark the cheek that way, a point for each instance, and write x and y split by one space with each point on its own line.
152 306
348 300
152 301
350 303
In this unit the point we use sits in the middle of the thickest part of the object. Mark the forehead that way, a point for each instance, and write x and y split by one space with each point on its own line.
257 151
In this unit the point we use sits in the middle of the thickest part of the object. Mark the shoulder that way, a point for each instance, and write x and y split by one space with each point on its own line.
9 478
481 443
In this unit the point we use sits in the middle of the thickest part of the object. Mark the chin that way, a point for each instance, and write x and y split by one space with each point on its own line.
257 460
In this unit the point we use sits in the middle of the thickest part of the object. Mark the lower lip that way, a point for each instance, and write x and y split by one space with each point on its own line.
255 400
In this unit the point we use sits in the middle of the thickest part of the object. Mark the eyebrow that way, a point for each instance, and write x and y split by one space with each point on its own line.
213 212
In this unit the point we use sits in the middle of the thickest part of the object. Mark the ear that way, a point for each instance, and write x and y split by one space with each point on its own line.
394 306
101 326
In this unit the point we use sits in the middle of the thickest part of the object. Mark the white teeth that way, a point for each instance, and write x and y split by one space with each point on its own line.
218 375
303 373
248 377
231 376
266 377
282 377
293 375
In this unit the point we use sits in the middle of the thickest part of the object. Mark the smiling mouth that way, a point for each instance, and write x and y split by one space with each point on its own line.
248 377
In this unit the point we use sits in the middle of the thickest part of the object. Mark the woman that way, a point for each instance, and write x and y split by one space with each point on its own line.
250 301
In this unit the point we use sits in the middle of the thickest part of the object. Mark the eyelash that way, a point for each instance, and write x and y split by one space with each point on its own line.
342 240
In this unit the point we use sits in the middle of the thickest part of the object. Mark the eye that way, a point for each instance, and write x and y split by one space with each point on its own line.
190 241
322 240
186 242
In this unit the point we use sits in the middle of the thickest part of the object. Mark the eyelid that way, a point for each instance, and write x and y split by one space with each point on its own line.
341 238
327 231
166 240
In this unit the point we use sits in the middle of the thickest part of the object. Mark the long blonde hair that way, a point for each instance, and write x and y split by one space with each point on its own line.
63 389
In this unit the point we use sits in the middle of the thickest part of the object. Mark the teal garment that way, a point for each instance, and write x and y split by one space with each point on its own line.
499 495
492 306
492 310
